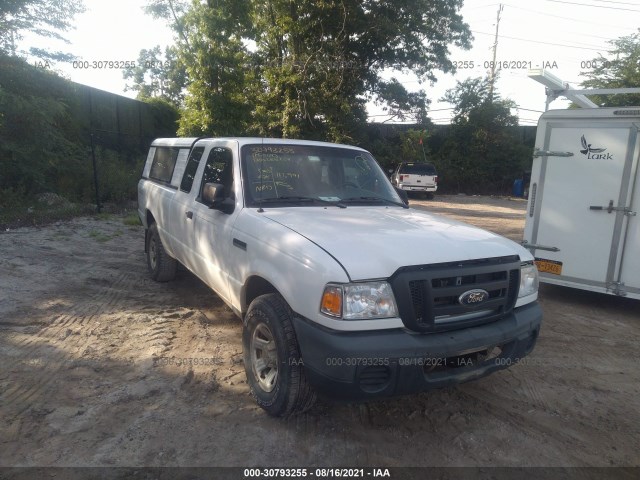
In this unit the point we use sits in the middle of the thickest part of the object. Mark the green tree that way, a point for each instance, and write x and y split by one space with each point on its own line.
173 12
158 76
216 57
38 148
307 68
415 146
482 153
46 18
620 68
325 59
210 43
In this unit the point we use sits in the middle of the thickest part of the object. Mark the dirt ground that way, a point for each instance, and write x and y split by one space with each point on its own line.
101 366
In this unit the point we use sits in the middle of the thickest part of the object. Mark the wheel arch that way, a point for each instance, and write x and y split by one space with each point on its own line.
150 220
252 289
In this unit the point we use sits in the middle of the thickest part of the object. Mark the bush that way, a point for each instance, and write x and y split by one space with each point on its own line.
117 177
45 137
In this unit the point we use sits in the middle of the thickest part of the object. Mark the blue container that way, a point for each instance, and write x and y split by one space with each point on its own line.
518 187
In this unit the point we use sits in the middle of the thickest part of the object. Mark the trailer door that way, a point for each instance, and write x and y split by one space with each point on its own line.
580 203
630 256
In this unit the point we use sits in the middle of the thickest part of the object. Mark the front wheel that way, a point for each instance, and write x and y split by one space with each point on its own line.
272 360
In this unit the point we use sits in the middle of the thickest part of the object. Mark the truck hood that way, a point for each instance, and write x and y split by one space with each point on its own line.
373 242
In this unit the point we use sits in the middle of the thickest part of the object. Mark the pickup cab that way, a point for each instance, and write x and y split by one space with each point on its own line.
341 287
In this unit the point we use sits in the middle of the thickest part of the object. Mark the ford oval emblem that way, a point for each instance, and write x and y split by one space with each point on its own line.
473 297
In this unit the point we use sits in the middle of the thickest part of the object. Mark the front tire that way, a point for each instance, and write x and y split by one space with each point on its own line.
272 360
161 266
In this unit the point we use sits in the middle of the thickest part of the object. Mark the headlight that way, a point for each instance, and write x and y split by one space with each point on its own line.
528 280
359 301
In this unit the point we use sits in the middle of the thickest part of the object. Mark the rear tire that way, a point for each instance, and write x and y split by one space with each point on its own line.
430 195
272 360
161 266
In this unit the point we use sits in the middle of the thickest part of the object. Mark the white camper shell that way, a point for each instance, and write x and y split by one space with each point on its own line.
581 222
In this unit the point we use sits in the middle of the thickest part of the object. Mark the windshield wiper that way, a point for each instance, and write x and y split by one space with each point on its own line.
295 198
374 199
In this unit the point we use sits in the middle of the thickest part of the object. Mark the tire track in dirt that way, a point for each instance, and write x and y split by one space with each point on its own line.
71 332
558 424
77 314
546 425
534 394
158 339
88 331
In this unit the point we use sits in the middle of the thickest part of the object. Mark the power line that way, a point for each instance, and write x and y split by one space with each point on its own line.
568 18
528 109
621 3
544 43
580 45
428 111
594 6
481 6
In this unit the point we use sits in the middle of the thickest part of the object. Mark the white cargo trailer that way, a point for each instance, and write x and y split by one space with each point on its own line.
581 223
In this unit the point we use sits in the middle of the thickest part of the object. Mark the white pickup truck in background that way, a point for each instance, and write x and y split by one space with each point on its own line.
341 287
416 177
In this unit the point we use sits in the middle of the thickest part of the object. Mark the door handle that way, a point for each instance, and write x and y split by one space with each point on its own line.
189 215
610 208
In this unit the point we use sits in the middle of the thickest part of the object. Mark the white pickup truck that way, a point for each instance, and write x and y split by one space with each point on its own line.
341 287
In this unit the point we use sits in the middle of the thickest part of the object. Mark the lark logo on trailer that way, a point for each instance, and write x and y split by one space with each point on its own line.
594 153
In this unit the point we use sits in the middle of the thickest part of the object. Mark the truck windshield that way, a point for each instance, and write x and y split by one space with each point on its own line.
285 175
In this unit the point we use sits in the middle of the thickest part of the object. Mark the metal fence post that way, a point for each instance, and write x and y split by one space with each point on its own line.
95 174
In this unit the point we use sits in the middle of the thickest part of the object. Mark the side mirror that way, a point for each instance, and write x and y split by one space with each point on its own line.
212 194
403 195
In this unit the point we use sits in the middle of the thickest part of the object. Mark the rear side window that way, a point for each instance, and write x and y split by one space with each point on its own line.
418 169
190 169
164 161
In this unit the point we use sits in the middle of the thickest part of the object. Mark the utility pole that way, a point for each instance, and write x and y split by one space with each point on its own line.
495 51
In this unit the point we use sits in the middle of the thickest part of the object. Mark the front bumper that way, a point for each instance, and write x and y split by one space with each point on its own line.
361 365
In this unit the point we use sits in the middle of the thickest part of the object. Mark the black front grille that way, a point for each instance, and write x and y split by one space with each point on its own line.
428 296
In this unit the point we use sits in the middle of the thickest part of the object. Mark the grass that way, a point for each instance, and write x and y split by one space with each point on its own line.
60 236
132 220
22 214
102 237
99 236
103 216
36 215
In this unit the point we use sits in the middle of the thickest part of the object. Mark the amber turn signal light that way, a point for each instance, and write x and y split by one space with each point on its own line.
332 301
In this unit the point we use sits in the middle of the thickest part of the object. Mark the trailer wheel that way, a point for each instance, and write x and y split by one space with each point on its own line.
272 360
161 266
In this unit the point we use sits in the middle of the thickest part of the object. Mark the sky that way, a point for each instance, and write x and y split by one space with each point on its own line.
562 35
